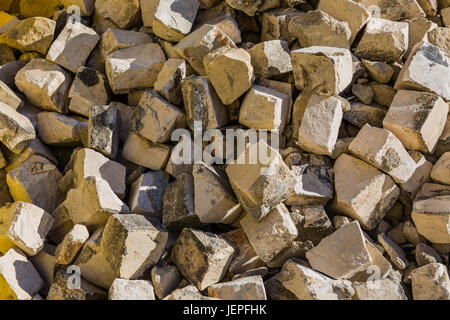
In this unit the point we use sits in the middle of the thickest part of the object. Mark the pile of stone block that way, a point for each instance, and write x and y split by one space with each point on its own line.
100 99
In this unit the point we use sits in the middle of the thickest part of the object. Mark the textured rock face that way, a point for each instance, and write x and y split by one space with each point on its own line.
224 149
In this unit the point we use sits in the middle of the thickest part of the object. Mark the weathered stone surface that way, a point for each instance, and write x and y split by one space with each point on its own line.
360 114
318 28
220 62
312 223
179 205
122 289
73 46
363 93
60 130
423 71
89 88
45 84
87 162
145 153
24 225
201 257
202 104
245 257
124 13
271 234
321 139
264 109
420 176
262 185
93 202
349 11
431 214
379 269
441 170
155 118
383 40
134 68
275 24
426 254
33 34
36 181
396 253
252 7
147 192
314 179
333 75
173 19
379 71
431 282
307 284
397 9
16 131
336 258
19 279
104 130
115 39
362 192
195 46
71 245
169 80
382 149
440 38
249 288
60 289
165 279
379 289
8 97
418 28
214 200
417 119
270 58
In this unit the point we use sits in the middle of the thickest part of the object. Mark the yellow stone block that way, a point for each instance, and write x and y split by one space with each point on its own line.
41 8
5 245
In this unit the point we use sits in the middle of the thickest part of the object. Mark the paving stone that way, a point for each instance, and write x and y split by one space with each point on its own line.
270 58
19 279
45 84
362 192
122 289
431 282
17 132
148 60
36 181
429 62
333 75
56 129
124 13
145 153
431 214
73 46
247 179
417 119
32 34
201 257
234 84
249 288
24 225
89 88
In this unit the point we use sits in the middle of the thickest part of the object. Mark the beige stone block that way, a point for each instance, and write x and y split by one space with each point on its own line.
123 289
45 84
323 70
16 131
68 249
362 192
145 153
248 288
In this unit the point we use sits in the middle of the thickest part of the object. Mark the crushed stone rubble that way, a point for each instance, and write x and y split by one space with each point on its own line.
348 99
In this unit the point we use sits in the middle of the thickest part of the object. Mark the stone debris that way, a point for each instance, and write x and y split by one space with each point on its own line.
128 136
249 288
